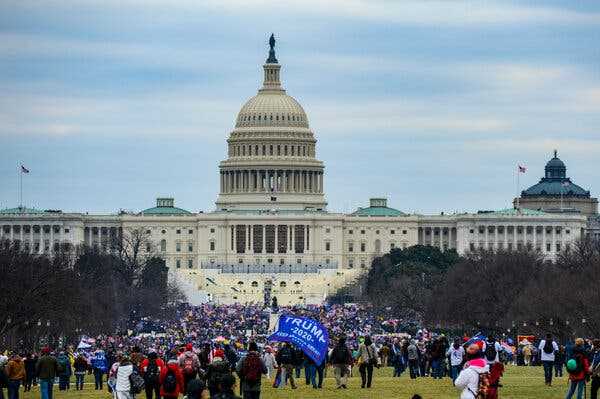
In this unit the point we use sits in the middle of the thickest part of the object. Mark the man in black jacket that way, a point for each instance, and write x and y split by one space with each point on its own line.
341 359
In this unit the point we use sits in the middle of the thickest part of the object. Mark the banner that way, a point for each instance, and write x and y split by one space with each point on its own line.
307 334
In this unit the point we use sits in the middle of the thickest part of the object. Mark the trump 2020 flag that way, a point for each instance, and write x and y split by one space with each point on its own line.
307 334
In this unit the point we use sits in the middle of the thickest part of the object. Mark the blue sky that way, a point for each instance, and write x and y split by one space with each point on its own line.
430 103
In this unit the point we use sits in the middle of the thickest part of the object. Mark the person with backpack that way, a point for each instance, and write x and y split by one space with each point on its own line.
216 371
341 360
197 389
189 364
150 369
474 378
30 361
548 349
286 359
251 369
491 350
595 369
368 360
578 368
171 380
559 361
64 372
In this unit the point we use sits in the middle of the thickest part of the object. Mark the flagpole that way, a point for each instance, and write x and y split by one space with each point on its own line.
518 186
20 187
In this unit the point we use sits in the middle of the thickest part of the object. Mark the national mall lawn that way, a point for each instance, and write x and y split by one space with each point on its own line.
518 383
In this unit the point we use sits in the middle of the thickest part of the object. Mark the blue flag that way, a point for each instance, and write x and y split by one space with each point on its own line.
307 334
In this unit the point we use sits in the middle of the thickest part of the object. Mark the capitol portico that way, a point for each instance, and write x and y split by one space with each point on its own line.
271 227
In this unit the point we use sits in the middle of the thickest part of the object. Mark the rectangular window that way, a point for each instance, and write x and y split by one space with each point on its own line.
190 263
240 238
392 231
178 263
270 239
472 246
282 240
363 247
190 231
299 238
327 246
558 247
404 232
392 246
350 263
212 245
148 232
362 232
212 230
178 247
67 231
548 247
190 247
178 231
327 230
350 247
350 231
257 239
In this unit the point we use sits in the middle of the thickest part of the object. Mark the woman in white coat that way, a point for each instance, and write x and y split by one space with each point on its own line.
468 379
123 386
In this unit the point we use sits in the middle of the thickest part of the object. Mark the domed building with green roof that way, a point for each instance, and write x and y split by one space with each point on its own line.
556 193
271 229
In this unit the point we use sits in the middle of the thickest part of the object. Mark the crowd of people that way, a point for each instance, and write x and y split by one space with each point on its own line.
212 351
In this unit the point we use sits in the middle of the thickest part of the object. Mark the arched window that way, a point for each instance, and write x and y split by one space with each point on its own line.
255 284
163 245
297 283
283 284
240 283
377 246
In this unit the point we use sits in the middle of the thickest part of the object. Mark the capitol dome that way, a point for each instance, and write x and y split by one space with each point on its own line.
272 108
271 160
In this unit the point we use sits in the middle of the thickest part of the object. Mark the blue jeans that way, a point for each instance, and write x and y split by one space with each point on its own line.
558 369
398 368
548 366
13 389
579 385
414 368
46 387
79 381
98 374
311 374
436 368
454 371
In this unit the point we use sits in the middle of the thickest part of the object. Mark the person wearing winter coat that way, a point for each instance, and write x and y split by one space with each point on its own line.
468 379
65 371
15 372
368 359
150 369
270 362
46 369
81 367
99 367
122 383
30 376
171 380
189 364
251 368
578 378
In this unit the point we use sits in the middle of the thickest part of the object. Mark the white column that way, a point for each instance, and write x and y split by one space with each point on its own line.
12 232
51 238
515 238
293 243
276 239
553 246
31 239
249 227
100 238
305 240
264 243
21 234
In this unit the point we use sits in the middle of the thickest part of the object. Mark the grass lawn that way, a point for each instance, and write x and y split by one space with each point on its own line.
519 383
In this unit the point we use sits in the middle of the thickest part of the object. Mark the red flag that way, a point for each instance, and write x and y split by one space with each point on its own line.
522 169
24 169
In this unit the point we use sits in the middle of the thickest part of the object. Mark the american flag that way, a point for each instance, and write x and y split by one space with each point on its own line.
522 169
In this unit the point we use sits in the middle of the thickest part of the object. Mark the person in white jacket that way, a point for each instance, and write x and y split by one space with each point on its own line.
468 379
123 386
270 362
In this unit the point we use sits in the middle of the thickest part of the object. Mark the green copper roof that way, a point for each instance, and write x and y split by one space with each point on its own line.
376 211
19 210
165 210
513 212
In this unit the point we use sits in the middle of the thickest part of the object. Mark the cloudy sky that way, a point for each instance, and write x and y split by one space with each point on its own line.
431 103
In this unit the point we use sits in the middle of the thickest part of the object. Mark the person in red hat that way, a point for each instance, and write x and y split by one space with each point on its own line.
189 364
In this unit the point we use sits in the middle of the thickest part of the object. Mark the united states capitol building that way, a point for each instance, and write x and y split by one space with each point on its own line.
271 227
